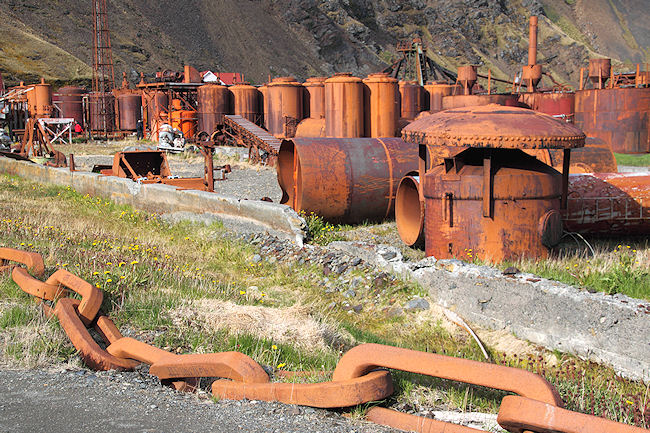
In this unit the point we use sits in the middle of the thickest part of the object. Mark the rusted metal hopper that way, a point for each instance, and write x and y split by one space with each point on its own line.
214 102
284 105
347 180
492 199
70 101
344 106
600 71
467 76
381 100
314 103
246 101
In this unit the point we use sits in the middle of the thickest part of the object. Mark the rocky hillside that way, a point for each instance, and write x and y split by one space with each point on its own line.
52 38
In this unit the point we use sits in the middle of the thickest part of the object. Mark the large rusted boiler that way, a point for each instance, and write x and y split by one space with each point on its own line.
284 105
214 102
381 100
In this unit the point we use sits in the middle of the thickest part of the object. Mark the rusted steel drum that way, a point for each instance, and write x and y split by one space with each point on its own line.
344 106
409 211
609 204
102 112
457 101
70 101
436 91
411 99
39 100
186 121
311 128
347 180
557 104
129 106
213 103
381 101
619 116
284 104
314 103
245 101
156 102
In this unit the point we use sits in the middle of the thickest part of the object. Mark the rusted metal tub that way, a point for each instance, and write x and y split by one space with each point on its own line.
344 180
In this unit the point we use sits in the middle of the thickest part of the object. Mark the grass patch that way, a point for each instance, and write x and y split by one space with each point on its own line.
633 160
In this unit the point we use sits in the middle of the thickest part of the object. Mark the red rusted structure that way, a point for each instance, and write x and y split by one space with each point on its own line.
69 100
284 98
102 110
344 106
381 105
214 102
245 102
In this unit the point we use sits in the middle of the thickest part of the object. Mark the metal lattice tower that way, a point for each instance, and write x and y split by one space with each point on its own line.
103 75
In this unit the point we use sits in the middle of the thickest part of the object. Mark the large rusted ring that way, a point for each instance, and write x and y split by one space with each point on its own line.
89 350
35 287
91 296
33 261
366 357
407 422
519 414
373 386
230 365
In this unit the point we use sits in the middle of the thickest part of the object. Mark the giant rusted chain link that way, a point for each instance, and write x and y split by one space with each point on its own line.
33 261
356 379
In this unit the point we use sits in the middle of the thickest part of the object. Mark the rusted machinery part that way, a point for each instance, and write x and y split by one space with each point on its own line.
33 261
345 180
609 203
373 386
409 211
519 414
418 424
493 126
229 365
91 296
366 357
89 350
35 287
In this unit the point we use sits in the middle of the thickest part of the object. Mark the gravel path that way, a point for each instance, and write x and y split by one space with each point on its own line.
84 401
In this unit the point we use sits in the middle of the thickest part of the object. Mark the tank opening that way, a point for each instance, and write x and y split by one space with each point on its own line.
286 177
409 212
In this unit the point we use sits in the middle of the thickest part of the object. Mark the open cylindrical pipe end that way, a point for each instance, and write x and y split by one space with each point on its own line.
409 212
285 170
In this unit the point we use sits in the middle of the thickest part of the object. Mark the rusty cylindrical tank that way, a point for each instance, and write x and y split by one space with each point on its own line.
457 101
411 99
284 105
263 104
129 105
102 112
213 103
344 106
39 100
381 101
609 204
347 180
314 97
245 101
186 121
557 104
436 91
311 128
70 101
619 116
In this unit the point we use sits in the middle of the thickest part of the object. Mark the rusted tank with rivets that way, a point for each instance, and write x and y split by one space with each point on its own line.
314 94
214 102
245 99
284 104
129 104
436 91
557 104
344 106
492 200
411 99
344 180
381 101
69 99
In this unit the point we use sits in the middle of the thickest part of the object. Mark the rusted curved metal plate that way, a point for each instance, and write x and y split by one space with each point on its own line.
408 422
366 357
230 365
33 261
373 386
494 126
35 287
89 350
91 296
519 414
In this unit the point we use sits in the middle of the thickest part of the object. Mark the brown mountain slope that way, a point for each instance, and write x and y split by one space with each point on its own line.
309 37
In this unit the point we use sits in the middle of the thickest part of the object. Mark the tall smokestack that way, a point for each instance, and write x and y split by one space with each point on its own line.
532 41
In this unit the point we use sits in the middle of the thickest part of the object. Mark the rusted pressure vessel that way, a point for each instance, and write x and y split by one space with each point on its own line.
39 100
557 104
284 104
344 106
381 101
346 180
436 91
156 102
314 104
599 72
245 101
70 101
129 106
619 116
186 121
457 101
411 99
213 103
311 128
102 112
609 204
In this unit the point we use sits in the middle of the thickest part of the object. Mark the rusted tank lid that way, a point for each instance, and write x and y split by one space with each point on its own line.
380 77
343 77
284 81
495 126
315 80
242 85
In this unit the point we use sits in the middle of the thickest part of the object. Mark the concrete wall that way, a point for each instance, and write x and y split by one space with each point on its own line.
276 219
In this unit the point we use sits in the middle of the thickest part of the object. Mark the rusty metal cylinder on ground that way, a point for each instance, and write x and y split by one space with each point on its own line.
599 71
381 101
245 101
619 116
344 106
467 76
436 91
69 99
213 103
39 100
346 180
186 121
284 105
457 101
557 104
411 99
129 105
314 97
102 112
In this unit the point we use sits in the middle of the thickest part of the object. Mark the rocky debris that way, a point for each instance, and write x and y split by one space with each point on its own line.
416 304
